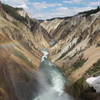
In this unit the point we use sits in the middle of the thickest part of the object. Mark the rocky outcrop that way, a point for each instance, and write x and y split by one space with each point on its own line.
22 12
94 82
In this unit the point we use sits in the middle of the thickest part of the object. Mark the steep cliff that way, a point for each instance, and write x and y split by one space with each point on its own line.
78 38
51 25
20 45
78 49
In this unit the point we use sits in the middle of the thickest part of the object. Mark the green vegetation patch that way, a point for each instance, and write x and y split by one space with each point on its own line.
79 87
64 54
95 69
79 63
13 12
88 13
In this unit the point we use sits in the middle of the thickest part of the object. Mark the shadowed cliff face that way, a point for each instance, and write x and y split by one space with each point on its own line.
17 72
17 82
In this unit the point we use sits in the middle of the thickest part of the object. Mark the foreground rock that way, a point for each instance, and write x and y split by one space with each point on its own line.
94 82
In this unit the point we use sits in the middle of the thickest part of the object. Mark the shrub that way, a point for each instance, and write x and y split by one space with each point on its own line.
79 63
95 69
88 13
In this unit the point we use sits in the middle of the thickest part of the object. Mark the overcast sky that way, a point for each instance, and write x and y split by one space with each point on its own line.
45 9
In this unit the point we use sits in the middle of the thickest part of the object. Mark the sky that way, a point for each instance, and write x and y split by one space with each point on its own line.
46 9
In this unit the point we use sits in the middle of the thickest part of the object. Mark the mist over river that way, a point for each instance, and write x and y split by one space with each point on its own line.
52 81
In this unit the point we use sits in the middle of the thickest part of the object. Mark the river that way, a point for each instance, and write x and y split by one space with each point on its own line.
52 81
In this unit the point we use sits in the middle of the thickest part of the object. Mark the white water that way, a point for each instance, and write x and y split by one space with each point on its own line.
52 81
45 55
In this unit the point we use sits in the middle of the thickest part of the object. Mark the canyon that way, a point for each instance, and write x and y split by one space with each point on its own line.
73 44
